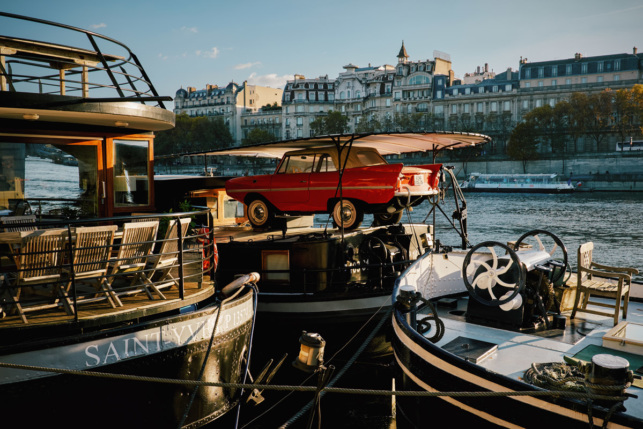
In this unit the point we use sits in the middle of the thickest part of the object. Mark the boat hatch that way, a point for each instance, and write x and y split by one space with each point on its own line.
531 258
470 349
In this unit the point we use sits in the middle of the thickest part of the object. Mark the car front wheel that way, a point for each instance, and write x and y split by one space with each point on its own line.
347 212
260 214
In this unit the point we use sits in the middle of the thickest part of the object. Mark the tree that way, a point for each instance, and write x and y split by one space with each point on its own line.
193 135
579 115
522 144
600 112
258 135
335 123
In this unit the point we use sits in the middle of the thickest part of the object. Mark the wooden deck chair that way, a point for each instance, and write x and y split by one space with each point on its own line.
166 259
135 247
90 261
39 263
15 223
593 280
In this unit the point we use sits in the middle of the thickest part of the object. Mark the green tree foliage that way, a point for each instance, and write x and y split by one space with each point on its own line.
193 135
523 144
258 135
333 123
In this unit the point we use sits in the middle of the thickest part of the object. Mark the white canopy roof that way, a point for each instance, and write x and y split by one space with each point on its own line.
385 143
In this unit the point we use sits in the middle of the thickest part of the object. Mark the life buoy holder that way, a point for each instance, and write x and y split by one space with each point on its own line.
204 239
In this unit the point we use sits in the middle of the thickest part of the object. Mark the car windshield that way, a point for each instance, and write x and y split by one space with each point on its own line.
297 164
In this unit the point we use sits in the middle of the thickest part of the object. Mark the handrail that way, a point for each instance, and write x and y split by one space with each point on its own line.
112 71
64 290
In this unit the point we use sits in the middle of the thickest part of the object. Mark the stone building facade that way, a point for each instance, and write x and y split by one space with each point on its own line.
230 103
427 90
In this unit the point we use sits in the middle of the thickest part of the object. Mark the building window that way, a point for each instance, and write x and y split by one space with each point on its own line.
583 68
568 81
388 102
388 88
617 64
331 96
300 96
311 96
599 79
506 106
599 67
467 91
466 108
554 71
300 132
358 107
455 91
527 84
454 109
439 110
583 80
438 93
541 84
508 87
311 109
494 106
300 109
541 72
479 107
552 102
525 104
568 69
527 73
409 108
554 82
539 103
300 121
397 95
617 77
287 109
495 88
342 96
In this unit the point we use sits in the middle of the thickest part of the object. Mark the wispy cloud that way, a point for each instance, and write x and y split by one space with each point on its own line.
271 80
247 65
97 26
212 53
189 29
163 57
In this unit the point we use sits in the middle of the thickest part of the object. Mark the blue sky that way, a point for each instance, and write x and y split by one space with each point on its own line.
199 42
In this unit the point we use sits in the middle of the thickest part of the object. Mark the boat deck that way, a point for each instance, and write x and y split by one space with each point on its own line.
98 311
581 338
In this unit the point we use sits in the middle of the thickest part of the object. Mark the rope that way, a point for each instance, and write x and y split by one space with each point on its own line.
329 389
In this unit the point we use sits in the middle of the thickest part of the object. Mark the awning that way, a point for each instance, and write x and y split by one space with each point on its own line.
385 143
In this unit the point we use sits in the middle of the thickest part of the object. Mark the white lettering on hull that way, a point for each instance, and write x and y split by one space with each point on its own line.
90 355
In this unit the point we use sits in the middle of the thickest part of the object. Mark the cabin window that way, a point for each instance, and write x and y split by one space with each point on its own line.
275 265
131 173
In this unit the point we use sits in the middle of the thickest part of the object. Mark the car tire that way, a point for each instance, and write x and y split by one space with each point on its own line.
351 213
388 218
260 214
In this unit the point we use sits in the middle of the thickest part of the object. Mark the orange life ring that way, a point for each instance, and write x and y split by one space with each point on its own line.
215 254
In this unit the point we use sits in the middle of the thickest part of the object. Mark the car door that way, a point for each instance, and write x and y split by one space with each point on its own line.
290 185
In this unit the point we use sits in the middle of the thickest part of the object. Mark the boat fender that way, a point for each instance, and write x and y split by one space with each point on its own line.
215 255
238 282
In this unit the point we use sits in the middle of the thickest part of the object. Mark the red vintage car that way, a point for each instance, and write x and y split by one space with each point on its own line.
307 182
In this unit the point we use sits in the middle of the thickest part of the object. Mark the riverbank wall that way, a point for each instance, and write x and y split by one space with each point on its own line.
619 171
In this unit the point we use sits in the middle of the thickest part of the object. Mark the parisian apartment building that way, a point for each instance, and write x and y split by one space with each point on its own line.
482 101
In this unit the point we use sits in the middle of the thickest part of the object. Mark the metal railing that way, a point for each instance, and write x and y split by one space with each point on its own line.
78 69
64 286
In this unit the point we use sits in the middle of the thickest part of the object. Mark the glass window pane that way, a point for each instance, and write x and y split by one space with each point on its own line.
131 179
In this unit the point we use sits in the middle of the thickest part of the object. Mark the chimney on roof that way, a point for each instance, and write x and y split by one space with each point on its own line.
191 89
635 50
486 67
578 56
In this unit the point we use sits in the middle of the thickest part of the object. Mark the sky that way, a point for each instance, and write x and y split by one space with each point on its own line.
183 43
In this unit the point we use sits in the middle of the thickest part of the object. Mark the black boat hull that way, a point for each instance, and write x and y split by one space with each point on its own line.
172 347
